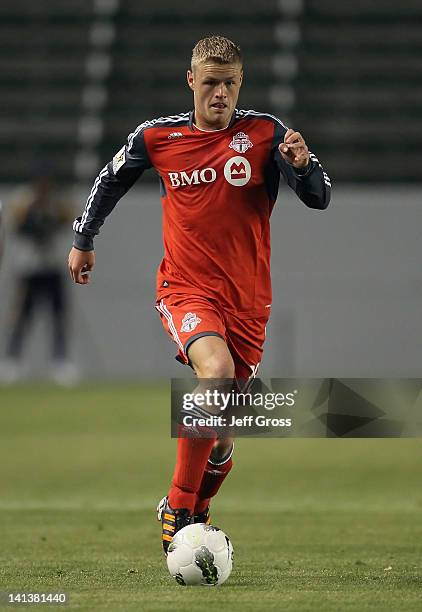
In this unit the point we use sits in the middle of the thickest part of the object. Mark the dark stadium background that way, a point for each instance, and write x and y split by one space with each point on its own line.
75 78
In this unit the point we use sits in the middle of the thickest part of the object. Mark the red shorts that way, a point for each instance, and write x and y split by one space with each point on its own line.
189 317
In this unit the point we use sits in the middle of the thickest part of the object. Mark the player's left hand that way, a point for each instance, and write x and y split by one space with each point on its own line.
294 150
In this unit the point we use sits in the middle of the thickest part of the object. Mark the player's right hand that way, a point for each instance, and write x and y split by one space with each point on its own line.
80 265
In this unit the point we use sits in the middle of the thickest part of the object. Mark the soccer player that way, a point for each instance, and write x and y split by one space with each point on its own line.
219 171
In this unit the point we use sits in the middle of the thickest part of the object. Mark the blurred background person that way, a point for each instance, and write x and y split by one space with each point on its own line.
37 215
1 233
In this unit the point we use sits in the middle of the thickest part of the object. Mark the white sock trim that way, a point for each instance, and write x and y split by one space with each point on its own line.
226 458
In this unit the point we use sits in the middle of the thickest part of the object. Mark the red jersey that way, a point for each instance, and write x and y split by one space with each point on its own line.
218 190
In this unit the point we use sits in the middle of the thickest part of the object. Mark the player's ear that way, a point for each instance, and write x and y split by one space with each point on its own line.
189 78
241 78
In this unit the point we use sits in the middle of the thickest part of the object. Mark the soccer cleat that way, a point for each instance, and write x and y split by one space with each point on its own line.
172 520
202 517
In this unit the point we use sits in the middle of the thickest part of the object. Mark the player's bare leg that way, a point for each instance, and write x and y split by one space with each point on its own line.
211 359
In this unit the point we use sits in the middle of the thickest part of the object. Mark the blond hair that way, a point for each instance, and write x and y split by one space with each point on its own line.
217 49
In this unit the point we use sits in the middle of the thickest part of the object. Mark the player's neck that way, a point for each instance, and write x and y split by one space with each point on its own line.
210 129
202 125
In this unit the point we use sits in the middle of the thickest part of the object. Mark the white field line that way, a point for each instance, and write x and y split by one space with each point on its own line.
310 506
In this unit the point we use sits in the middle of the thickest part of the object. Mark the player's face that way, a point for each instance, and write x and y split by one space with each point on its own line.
215 92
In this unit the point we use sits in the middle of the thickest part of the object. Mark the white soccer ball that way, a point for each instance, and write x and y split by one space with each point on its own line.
200 555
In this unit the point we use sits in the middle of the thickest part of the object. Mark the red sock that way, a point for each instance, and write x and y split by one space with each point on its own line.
191 459
212 480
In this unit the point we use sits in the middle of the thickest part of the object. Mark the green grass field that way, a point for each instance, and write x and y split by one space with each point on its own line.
326 525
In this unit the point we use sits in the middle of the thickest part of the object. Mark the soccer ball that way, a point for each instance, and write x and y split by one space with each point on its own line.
200 554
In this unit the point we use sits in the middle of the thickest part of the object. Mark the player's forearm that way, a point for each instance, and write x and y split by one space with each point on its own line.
311 183
313 186
105 193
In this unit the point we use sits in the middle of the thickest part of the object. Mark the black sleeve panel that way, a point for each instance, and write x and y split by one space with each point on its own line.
312 184
114 180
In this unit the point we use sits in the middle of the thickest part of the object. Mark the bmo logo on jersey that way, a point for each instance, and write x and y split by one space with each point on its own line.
181 179
237 172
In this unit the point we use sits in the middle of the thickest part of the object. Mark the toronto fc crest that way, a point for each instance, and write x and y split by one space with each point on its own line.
241 142
189 322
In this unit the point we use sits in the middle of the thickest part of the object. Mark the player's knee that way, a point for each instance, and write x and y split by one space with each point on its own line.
216 366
